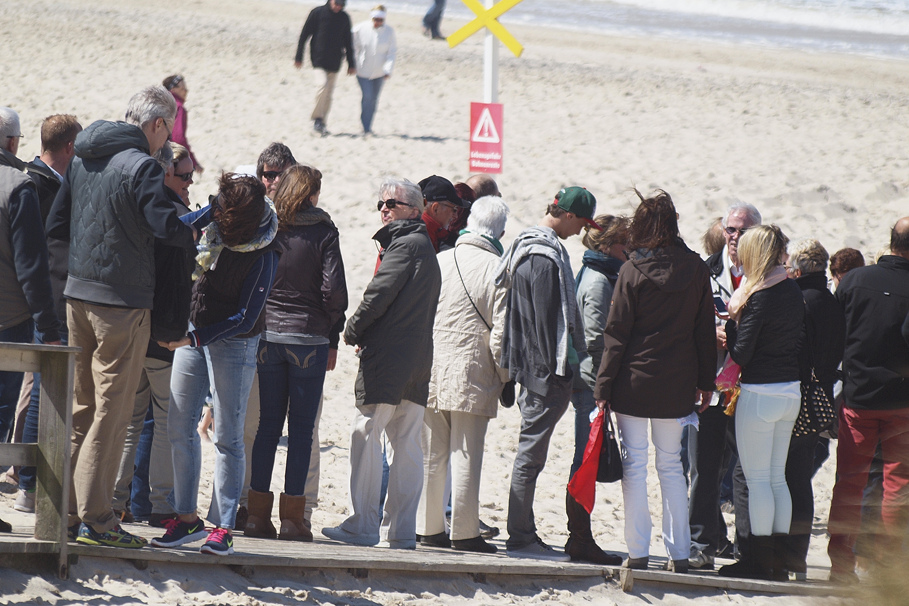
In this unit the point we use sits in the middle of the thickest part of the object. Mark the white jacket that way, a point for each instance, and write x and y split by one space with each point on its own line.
374 50
465 376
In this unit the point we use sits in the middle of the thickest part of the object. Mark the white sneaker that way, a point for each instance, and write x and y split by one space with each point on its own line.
397 544
25 501
538 550
699 560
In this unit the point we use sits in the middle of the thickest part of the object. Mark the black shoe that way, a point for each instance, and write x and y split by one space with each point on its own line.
580 550
435 540
678 566
476 544
636 563
487 531
159 520
5 526
318 125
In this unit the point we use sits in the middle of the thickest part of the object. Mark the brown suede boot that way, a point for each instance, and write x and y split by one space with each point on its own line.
291 513
258 524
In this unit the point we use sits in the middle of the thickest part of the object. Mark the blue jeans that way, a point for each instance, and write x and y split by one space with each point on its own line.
139 504
433 18
227 368
371 90
27 478
290 387
11 382
583 405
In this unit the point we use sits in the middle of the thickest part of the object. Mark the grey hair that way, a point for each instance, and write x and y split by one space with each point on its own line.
750 211
487 216
808 256
149 104
9 125
403 190
165 156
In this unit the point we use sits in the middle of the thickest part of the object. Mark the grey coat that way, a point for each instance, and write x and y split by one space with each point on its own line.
393 324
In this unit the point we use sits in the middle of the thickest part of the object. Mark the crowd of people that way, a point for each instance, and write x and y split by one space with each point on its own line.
244 303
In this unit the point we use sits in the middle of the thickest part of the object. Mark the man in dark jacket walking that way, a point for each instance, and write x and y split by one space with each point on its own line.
875 300
111 208
329 27
392 330
543 335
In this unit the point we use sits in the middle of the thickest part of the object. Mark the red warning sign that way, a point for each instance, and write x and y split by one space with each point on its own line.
486 138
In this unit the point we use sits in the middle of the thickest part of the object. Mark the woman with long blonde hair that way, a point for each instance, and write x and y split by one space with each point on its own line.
764 335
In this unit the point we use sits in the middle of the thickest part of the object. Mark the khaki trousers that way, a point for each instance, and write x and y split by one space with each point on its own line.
458 437
107 372
325 86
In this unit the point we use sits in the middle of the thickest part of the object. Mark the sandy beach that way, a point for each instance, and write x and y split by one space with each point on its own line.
816 141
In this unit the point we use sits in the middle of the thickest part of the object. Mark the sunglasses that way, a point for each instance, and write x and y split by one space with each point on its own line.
271 175
187 177
732 230
391 203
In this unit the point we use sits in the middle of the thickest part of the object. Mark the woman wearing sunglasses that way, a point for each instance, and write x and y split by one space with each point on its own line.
180 175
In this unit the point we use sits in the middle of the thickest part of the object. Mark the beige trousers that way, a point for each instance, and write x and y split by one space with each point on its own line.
107 372
459 437
325 86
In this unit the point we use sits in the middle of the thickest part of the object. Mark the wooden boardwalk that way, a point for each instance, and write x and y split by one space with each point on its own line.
361 561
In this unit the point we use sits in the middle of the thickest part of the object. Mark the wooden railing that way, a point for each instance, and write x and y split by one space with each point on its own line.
51 454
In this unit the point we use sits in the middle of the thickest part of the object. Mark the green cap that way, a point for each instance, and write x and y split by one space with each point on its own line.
578 201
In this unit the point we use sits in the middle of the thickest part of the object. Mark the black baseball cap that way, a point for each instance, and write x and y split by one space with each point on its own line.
440 189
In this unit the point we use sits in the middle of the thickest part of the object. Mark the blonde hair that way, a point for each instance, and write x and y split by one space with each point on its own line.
379 7
761 250
614 231
180 153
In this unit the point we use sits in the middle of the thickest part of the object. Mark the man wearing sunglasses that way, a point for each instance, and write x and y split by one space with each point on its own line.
443 205
273 161
711 448
392 330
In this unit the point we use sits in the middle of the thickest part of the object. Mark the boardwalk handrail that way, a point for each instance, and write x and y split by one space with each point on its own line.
51 454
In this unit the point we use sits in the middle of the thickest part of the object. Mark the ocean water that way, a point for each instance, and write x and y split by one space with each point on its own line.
868 27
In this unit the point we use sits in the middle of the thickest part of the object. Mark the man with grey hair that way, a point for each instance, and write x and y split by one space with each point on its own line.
711 447
111 208
466 380
392 331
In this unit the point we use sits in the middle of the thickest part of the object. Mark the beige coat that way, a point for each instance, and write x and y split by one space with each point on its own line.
465 377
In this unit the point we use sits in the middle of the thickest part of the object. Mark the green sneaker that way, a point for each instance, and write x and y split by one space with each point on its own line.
115 537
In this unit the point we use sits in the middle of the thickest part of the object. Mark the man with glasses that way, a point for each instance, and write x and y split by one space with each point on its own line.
111 207
711 448
443 205
392 331
273 161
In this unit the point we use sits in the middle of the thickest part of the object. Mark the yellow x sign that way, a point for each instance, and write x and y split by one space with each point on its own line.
487 18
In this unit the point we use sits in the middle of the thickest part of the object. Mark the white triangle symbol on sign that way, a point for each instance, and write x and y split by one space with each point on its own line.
485 132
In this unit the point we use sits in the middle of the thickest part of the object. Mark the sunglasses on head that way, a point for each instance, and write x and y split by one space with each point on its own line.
271 175
187 177
391 203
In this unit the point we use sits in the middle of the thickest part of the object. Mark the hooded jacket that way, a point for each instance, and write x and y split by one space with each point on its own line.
393 323
660 341
595 284
111 207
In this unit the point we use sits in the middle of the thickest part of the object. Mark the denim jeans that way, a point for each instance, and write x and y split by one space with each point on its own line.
290 387
11 382
139 503
583 405
227 368
433 18
371 89
27 480
667 442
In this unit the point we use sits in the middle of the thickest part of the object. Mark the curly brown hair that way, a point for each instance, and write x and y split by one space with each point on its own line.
614 230
655 223
298 184
240 204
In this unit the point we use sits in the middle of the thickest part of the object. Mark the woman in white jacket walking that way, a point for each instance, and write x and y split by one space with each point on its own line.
466 380
374 49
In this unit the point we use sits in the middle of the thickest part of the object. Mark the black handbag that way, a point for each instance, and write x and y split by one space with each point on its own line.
610 468
816 412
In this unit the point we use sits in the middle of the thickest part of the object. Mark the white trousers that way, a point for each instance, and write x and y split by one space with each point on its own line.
402 424
763 428
667 441
458 437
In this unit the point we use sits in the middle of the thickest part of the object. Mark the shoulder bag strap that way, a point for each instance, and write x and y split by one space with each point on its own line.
467 292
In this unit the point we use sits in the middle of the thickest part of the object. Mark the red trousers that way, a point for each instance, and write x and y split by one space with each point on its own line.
860 431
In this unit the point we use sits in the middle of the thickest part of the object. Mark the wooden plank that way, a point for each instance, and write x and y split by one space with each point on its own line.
26 357
55 422
18 454
700 580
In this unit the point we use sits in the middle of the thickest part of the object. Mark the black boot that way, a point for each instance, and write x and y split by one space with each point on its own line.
756 563
581 546
779 570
